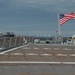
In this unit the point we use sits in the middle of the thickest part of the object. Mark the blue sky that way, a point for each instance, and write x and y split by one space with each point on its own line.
35 17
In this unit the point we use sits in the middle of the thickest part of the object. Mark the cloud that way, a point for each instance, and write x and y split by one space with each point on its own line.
47 5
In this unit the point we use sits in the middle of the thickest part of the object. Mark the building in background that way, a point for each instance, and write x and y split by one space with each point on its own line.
7 34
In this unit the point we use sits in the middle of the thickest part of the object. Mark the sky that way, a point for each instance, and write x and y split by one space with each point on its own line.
35 17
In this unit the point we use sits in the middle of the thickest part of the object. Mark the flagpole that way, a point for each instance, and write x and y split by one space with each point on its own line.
59 33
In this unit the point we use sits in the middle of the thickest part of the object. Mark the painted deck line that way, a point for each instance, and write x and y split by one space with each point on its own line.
61 55
36 48
72 55
26 48
66 49
35 62
46 48
46 54
13 49
16 54
56 48
31 54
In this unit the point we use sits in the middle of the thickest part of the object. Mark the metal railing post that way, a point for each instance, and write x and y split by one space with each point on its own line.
15 41
4 42
10 42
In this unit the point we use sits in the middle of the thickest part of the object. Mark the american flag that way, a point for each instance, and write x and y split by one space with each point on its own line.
66 17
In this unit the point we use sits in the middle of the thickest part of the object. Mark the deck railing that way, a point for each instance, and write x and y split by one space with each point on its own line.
10 42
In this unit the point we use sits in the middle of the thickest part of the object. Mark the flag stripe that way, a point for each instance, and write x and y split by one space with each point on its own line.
63 20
